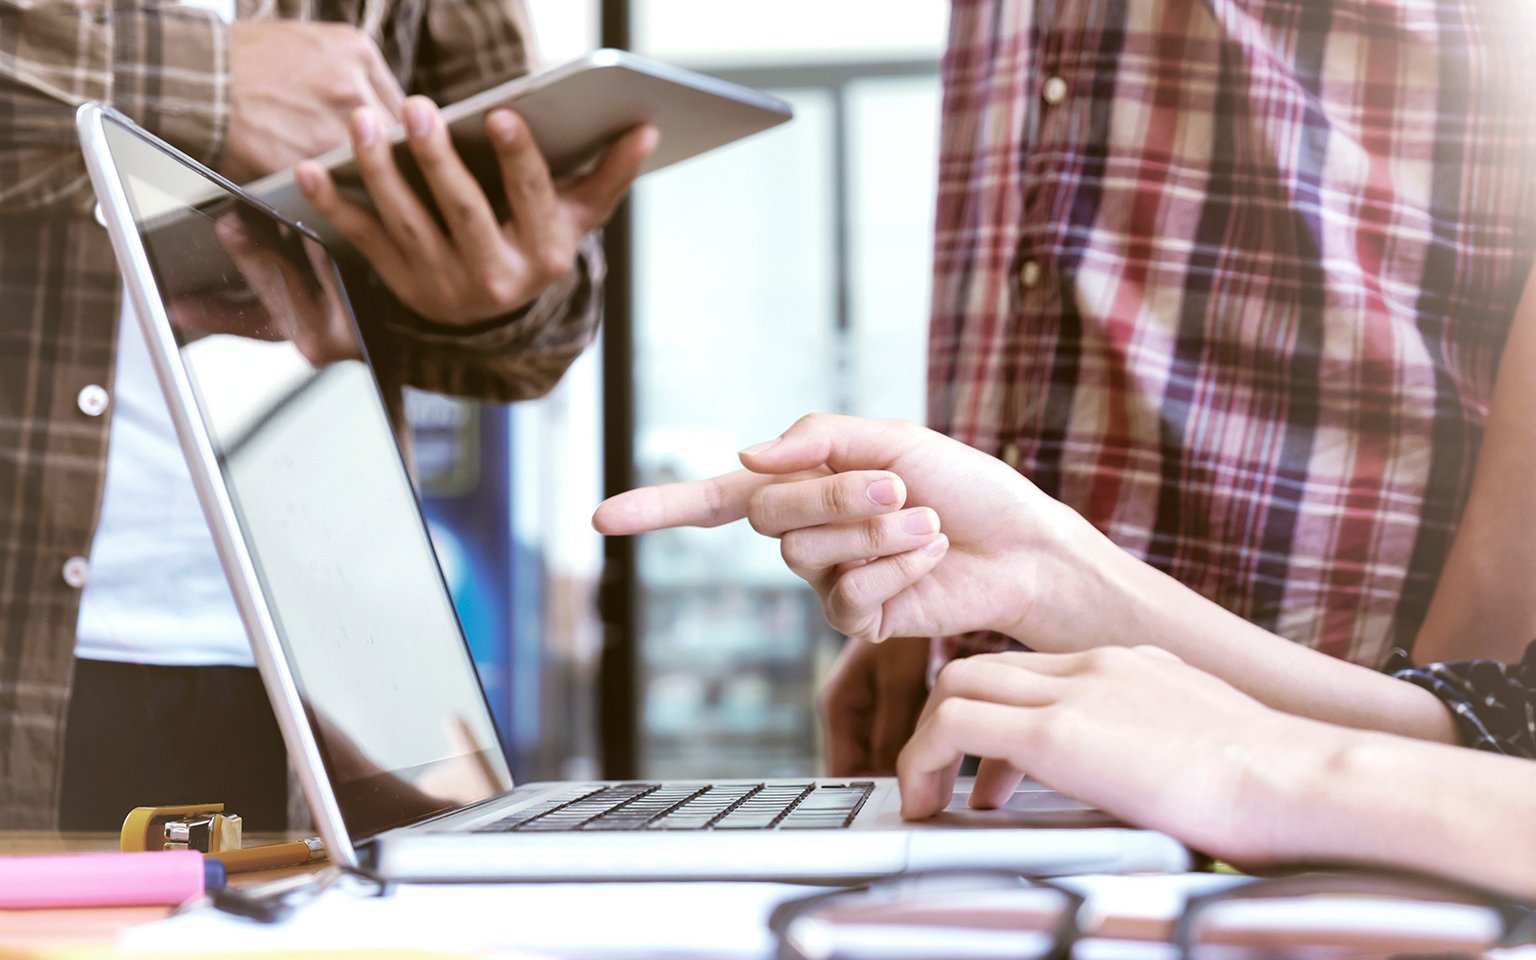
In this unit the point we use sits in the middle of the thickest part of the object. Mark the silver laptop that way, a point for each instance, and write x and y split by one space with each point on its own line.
325 547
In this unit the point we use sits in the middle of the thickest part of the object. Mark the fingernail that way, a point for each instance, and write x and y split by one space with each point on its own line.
308 177
364 128
883 492
920 522
502 128
757 448
937 547
418 118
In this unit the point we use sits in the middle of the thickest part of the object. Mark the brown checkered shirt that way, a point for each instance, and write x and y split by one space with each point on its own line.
166 66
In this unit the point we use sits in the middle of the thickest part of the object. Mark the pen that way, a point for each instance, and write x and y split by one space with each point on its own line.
107 879
267 856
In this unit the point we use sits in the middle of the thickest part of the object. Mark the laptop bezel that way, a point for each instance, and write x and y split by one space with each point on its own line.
116 214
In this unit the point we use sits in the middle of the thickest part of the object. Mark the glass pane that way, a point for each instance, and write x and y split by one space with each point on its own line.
892 158
734 339
738 333
562 29
790 31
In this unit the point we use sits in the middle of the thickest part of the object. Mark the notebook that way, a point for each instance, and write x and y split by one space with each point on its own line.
297 468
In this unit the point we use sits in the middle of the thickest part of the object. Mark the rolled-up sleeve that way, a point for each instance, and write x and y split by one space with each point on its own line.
515 357
1493 704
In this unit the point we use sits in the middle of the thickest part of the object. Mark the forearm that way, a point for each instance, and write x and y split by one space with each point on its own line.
164 65
1134 604
1347 796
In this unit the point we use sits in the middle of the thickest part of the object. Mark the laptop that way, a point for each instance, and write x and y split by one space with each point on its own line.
299 473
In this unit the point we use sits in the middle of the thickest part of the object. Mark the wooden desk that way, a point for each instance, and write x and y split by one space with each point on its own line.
22 932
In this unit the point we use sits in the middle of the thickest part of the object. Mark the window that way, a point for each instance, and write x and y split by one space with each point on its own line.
785 274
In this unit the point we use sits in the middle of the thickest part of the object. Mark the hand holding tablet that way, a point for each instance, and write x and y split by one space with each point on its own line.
571 112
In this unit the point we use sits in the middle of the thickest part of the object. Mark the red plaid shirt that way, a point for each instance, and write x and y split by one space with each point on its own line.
1231 278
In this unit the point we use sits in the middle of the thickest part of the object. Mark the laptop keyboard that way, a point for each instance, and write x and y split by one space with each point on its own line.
659 806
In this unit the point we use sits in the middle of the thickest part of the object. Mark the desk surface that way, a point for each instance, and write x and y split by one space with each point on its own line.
34 928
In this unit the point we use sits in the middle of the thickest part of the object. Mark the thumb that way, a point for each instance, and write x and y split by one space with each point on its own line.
835 441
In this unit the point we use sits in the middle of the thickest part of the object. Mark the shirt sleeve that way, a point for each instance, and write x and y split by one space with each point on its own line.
515 357
164 65
1494 704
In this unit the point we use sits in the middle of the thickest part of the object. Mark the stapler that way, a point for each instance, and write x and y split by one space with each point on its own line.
203 827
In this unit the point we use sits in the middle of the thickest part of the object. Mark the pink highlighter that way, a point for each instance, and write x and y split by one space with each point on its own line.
158 878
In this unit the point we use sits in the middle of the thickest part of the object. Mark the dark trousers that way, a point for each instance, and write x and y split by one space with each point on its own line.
141 735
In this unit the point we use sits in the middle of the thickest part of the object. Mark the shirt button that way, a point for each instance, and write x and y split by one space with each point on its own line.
92 401
1011 455
76 572
1054 91
1029 274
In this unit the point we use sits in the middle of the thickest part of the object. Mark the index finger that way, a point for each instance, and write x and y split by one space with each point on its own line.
690 503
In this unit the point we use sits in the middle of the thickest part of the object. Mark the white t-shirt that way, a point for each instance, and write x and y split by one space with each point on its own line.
155 592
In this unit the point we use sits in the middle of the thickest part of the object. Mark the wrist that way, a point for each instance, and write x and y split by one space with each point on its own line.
1317 796
1077 578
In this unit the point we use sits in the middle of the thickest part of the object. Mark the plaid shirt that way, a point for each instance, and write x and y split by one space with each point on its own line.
1231 278
1493 704
166 66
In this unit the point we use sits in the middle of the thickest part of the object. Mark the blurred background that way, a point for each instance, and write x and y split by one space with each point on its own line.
784 274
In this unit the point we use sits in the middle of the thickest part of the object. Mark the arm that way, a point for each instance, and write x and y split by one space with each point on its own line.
1483 605
164 65
495 305
1008 559
472 304
1165 746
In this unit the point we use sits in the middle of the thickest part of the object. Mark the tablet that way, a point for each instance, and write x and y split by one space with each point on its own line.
573 111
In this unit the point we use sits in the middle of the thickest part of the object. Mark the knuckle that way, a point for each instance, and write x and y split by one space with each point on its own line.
872 536
840 608
500 291
462 209
792 549
1046 734
950 675
950 712
530 181
1147 651
846 598
909 565
834 496
357 44
1100 658
759 511
958 674
816 419
555 262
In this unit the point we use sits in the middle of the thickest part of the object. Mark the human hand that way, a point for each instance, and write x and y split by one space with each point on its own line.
479 268
856 505
288 292
293 85
870 704
1132 730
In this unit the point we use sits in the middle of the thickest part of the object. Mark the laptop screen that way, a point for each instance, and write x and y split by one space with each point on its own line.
320 496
